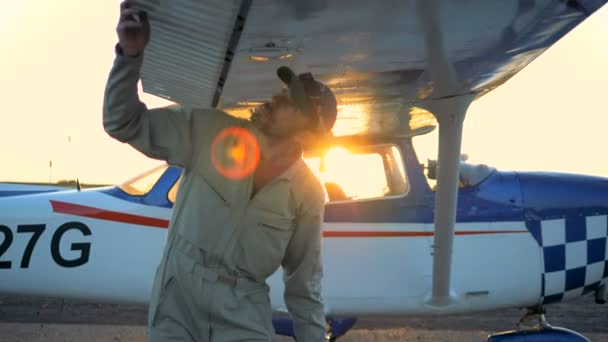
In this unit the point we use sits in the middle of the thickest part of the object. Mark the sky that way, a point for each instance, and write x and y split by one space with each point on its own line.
552 116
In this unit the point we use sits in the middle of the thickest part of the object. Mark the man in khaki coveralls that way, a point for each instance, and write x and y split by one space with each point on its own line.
229 232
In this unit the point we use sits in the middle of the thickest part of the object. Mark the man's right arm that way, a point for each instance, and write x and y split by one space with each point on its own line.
161 133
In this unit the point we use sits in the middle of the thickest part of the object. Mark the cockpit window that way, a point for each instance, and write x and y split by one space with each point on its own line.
360 173
142 184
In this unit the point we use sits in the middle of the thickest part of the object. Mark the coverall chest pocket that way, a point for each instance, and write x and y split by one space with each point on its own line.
216 190
263 243
274 227
216 183
204 214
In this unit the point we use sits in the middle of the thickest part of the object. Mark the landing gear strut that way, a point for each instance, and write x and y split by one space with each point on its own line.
537 313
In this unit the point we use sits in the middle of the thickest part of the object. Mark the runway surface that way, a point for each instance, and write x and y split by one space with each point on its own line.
53 320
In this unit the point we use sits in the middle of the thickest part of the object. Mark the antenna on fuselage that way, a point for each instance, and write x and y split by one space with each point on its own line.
77 180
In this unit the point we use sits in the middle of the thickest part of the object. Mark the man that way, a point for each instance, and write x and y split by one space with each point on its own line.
237 217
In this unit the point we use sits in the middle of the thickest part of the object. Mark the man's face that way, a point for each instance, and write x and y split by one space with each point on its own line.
280 118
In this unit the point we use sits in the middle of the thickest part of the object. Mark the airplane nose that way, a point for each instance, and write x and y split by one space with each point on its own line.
554 194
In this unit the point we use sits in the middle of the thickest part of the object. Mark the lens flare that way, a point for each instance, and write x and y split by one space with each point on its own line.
235 152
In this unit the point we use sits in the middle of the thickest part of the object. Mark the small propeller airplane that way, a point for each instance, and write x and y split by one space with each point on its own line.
394 228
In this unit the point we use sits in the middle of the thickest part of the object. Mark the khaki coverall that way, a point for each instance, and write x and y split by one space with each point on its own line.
222 243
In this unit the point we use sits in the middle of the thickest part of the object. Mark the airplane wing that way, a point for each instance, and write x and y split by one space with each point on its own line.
189 55
373 55
397 67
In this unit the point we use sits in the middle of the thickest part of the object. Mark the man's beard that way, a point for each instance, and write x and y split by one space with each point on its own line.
262 117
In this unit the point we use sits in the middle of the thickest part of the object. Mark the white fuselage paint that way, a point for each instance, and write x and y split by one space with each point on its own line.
362 275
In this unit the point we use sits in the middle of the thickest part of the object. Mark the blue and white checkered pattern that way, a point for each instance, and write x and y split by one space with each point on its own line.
575 255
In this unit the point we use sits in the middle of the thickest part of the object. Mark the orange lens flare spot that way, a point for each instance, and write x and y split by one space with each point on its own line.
235 152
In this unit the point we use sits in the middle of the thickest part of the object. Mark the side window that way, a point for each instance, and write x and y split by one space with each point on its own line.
172 195
361 173
141 185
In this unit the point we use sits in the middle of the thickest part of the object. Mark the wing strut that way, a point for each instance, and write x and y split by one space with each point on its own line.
450 111
450 114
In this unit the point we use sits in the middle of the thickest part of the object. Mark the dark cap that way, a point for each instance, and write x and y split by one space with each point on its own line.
309 94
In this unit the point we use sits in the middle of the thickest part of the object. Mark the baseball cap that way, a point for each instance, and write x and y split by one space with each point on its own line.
309 95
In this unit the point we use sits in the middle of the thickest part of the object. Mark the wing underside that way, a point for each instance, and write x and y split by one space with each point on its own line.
372 55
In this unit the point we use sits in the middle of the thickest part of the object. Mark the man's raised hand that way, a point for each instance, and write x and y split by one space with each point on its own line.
133 29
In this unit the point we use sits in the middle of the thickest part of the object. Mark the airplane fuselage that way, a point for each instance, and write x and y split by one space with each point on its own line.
520 239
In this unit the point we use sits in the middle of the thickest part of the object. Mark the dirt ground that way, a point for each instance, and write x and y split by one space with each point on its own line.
54 320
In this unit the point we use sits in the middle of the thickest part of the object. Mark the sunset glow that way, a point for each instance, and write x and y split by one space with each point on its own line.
57 55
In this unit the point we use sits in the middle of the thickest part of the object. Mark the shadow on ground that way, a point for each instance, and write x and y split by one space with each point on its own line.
582 315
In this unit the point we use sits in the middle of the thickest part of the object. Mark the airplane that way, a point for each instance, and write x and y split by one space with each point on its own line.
377 239
391 235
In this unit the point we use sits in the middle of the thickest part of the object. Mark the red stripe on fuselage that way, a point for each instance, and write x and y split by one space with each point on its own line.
108 215
333 233
412 234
